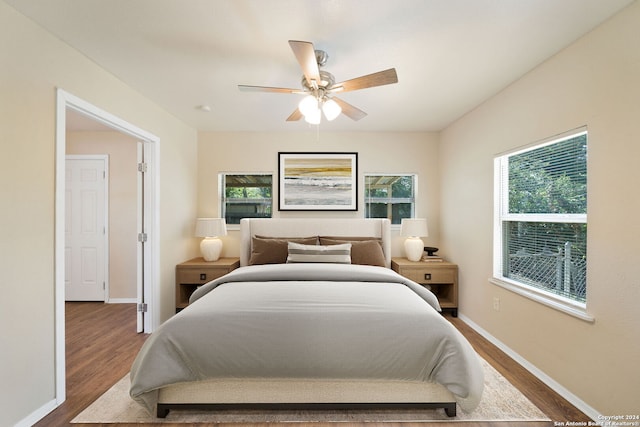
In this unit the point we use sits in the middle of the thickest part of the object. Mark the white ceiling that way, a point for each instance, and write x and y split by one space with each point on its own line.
450 55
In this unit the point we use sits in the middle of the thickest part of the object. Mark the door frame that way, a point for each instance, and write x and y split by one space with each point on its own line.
105 259
66 100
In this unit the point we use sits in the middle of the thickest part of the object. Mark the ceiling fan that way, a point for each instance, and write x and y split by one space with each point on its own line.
320 86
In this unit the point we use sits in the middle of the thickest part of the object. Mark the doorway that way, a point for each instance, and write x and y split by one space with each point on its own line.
148 247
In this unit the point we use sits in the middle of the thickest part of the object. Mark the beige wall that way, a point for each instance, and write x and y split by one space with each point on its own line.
123 206
32 65
377 153
595 82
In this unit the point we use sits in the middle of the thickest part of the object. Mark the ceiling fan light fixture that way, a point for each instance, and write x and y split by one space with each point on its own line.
313 117
331 109
318 84
308 105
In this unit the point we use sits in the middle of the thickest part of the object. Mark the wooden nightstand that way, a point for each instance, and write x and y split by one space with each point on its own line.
195 272
442 278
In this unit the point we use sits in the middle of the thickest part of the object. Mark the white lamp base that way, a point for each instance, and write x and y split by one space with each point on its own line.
413 248
210 247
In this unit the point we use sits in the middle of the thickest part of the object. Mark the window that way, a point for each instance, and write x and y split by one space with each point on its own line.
389 196
245 196
541 219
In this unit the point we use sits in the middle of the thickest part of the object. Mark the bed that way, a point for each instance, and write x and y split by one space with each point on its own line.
313 318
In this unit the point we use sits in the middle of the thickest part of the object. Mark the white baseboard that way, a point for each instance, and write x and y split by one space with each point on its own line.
38 414
553 384
122 301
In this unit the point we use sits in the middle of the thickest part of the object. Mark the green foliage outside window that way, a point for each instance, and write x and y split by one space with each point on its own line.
550 179
246 196
390 196
544 231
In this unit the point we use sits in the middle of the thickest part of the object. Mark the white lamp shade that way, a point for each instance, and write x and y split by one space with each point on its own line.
414 227
331 109
211 227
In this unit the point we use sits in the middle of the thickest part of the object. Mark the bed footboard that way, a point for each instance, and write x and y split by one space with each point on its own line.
163 409
309 394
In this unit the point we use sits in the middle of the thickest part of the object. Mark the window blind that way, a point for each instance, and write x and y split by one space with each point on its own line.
543 216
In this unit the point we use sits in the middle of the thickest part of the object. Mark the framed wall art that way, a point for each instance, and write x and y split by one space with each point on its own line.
318 181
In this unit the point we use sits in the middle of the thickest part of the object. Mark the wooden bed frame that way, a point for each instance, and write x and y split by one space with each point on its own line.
308 394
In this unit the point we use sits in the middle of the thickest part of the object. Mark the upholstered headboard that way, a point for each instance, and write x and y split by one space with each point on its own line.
305 227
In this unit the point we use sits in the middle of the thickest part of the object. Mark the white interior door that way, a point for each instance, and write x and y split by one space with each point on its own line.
86 228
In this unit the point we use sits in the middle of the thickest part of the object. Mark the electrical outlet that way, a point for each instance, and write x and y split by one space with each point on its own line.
496 303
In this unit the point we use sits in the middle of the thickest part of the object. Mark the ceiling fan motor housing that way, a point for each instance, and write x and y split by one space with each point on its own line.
326 81
326 78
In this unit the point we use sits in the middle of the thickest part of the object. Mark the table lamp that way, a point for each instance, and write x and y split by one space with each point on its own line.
211 229
413 229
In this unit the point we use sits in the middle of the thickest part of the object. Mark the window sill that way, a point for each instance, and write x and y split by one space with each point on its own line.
568 307
233 227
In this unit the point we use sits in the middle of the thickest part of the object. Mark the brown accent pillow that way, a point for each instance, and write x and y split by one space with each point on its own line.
363 252
274 250
352 238
289 239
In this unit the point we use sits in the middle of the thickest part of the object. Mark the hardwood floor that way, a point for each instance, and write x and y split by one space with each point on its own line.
102 343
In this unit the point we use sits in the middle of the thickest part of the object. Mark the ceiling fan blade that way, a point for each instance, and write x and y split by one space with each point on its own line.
306 56
295 116
246 88
349 110
380 78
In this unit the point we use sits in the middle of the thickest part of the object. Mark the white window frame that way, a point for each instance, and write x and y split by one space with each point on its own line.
221 193
414 203
501 214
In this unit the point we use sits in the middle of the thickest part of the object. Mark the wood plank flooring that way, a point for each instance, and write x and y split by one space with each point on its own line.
102 343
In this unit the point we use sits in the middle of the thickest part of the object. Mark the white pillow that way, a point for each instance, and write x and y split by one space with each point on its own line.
340 254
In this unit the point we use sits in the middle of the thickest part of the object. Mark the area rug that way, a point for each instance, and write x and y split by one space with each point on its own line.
501 401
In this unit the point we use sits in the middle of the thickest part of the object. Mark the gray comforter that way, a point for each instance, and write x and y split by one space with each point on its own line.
301 321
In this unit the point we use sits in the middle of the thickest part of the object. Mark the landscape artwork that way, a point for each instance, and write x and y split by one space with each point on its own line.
318 181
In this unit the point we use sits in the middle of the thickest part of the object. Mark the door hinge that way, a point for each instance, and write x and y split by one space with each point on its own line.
142 308
142 237
142 167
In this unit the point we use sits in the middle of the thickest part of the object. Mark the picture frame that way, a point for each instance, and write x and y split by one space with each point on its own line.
316 181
